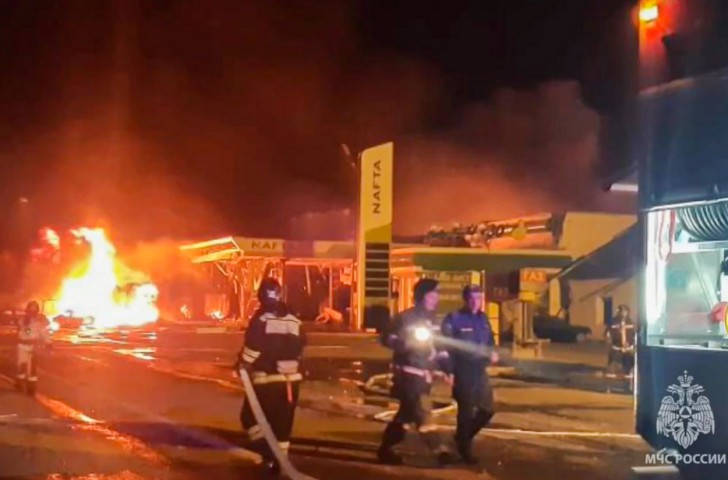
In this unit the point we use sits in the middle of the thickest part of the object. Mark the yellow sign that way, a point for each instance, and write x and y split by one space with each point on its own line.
529 275
520 232
375 207
527 296
459 278
261 246
375 229
532 280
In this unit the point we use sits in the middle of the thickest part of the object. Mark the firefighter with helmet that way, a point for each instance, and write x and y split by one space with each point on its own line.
271 355
32 334
415 359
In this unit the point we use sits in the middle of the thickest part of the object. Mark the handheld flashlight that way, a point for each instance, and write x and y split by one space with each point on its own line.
422 334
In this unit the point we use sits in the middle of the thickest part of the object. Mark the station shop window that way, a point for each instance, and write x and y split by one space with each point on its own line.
686 277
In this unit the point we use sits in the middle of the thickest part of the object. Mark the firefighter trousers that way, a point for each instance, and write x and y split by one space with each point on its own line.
475 410
620 362
27 363
414 409
278 401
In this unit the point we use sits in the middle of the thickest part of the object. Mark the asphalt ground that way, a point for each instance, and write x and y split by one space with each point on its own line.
167 407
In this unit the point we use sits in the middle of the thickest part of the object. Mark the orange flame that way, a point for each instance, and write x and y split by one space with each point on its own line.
93 291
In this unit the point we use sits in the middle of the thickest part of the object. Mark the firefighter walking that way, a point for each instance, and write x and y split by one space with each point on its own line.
271 355
414 361
33 334
470 348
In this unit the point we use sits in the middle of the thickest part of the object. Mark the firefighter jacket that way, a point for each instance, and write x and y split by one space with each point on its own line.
34 332
273 347
473 332
413 360
621 335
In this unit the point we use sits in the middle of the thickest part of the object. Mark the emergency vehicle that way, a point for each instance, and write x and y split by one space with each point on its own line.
682 153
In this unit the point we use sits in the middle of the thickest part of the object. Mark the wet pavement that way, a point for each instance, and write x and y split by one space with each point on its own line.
35 443
167 407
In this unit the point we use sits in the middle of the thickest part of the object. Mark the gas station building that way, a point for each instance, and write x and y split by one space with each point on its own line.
524 271
360 284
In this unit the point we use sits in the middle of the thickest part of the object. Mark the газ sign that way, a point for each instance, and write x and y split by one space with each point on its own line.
533 280
529 275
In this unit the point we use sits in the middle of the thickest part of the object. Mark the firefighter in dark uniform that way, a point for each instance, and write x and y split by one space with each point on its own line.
470 348
621 339
272 352
411 337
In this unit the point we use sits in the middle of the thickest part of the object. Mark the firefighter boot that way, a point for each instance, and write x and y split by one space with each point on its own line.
466 454
465 446
480 421
387 456
445 458
393 434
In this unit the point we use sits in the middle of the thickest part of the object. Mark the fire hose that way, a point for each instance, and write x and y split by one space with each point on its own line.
370 387
286 466
705 222
423 334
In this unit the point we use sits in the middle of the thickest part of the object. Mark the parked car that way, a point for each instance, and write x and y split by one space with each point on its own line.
559 330
554 329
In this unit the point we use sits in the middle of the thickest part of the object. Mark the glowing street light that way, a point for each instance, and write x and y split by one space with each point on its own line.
649 13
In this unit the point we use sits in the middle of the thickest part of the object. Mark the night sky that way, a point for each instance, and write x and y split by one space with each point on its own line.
190 118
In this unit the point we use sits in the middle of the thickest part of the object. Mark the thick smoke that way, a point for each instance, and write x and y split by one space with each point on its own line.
523 152
192 118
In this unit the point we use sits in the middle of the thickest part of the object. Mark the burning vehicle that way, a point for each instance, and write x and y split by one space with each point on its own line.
98 292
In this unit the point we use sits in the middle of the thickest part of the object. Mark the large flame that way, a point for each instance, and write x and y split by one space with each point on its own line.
95 290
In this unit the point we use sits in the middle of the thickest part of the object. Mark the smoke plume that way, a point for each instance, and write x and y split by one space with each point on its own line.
523 152
194 118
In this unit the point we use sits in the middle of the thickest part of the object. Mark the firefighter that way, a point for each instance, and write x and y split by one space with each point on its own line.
414 361
471 348
621 337
271 355
32 335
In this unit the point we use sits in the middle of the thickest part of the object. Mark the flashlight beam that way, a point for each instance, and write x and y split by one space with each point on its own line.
452 344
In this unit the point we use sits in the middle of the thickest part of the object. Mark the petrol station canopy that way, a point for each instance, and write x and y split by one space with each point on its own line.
295 252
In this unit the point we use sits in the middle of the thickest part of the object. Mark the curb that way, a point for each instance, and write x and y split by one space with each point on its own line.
316 333
501 371
200 329
211 330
